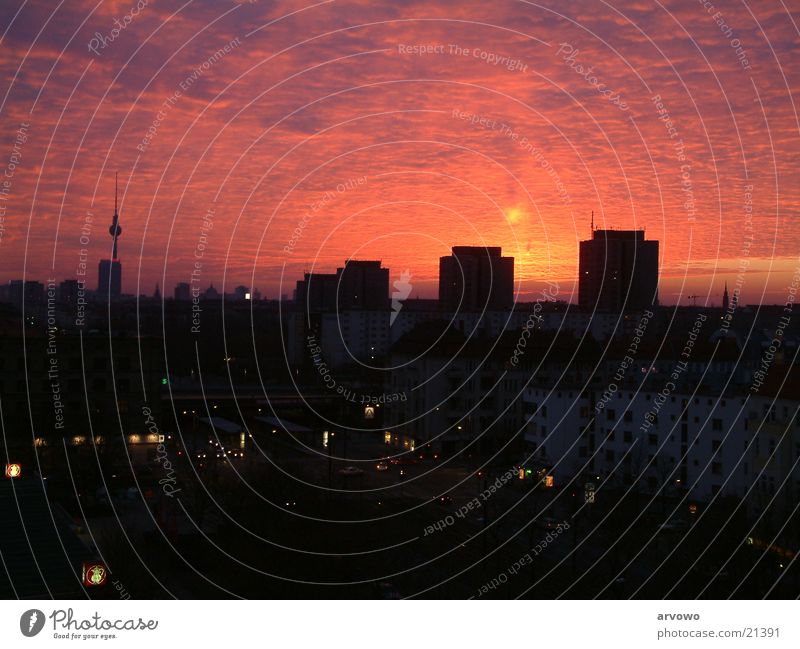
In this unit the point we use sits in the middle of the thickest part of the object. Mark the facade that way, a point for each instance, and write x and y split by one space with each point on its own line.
476 278
29 292
363 285
354 336
708 446
316 292
618 271
183 292
460 392
347 314
109 279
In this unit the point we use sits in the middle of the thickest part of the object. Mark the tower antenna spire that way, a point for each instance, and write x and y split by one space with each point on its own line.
592 220
115 230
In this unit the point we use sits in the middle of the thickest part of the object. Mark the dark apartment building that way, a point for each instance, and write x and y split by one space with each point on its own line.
109 279
618 271
363 285
316 292
183 292
357 285
476 278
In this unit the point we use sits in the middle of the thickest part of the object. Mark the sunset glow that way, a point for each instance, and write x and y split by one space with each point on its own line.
504 123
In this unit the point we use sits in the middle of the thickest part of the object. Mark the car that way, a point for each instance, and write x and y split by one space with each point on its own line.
382 466
350 470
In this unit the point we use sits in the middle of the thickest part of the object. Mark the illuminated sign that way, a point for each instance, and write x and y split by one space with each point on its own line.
94 574
369 412
549 482
13 470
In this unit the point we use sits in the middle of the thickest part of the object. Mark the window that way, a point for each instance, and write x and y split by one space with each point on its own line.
609 455
628 415
715 444
627 436
652 439
716 424
716 468
611 415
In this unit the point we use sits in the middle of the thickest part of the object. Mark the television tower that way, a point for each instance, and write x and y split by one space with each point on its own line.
109 271
115 230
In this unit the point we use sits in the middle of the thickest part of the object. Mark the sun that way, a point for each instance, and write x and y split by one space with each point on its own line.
515 215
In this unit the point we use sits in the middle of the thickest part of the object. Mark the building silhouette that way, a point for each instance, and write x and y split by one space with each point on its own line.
109 271
69 291
357 285
183 292
363 285
476 278
316 292
618 271
29 292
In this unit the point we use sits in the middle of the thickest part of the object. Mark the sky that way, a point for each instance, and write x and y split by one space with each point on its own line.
255 141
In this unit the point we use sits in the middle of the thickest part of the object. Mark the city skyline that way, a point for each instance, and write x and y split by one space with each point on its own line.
329 281
493 147
415 300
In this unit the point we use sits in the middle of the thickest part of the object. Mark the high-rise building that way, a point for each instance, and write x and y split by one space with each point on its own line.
69 291
356 285
316 292
109 271
28 291
618 271
363 285
183 292
476 278
109 279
